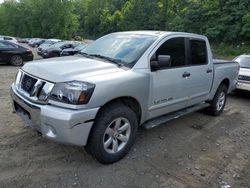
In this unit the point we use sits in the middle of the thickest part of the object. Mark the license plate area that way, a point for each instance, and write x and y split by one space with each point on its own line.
24 114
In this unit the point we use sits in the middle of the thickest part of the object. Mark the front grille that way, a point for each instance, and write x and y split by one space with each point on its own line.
33 88
28 83
245 78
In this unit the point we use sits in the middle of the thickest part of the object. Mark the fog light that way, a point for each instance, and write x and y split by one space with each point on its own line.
50 132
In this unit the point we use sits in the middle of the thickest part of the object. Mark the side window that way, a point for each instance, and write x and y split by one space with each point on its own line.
9 45
198 50
175 48
2 45
7 38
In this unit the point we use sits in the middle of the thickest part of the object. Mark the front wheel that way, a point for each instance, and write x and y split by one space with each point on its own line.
113 134
219 101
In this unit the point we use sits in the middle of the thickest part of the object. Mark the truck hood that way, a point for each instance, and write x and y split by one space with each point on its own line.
69 68
244 72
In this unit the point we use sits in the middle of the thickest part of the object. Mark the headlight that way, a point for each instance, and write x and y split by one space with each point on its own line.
74 92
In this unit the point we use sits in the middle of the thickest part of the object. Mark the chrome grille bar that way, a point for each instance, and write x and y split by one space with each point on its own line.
39 92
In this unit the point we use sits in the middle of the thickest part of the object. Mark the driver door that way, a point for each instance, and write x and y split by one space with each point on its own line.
169 84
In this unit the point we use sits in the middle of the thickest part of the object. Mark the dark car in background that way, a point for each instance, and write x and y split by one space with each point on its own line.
47 44
37 42
56 49
14 53
73 51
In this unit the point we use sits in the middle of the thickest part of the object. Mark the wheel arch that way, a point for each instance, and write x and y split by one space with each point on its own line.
130 102
216 85
226 82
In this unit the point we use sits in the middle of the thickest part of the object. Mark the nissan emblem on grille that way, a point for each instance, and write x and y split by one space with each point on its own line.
28 84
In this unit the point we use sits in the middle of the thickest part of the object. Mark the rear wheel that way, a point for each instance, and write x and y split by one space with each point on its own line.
219 101
16 60
113 134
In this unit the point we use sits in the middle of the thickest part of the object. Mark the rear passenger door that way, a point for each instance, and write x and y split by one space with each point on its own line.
201 70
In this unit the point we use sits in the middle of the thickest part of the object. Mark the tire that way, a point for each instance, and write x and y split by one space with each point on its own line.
16 60
105 131
219 101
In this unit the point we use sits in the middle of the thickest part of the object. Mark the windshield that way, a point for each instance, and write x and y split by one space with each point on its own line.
125 48
59 44
244 61
47 42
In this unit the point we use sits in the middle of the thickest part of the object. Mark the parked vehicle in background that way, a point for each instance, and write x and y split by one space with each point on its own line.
73 51
10 39
123 80
14 53
56 49
32 40
244 74
36 43
46 44
23 40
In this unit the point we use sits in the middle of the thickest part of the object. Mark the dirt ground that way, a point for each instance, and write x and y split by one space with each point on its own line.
194 151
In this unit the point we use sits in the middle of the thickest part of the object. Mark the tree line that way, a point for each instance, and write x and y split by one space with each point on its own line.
225 21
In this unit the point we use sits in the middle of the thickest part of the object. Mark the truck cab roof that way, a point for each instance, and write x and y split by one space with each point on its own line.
160 33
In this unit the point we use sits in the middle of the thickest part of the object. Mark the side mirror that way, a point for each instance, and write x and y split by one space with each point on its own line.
164 61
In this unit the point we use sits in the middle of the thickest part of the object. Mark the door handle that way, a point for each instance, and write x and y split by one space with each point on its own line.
209 71
186 74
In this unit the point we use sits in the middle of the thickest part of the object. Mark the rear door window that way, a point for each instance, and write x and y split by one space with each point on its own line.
198 52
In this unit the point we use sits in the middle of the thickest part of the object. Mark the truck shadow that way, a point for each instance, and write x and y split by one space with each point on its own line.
241 94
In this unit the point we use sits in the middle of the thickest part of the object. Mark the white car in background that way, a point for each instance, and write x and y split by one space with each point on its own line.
10 39
244 74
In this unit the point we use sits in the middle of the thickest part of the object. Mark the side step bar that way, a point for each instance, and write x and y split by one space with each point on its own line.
168 117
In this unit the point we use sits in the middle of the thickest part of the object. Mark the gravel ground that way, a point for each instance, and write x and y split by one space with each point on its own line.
193 151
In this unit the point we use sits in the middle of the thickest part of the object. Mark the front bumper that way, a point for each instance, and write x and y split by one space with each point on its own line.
243 86
55 123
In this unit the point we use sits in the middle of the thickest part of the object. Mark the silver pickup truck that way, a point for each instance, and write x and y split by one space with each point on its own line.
100 97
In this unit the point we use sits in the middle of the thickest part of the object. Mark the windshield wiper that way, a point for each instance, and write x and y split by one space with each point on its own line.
85 54
114 61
